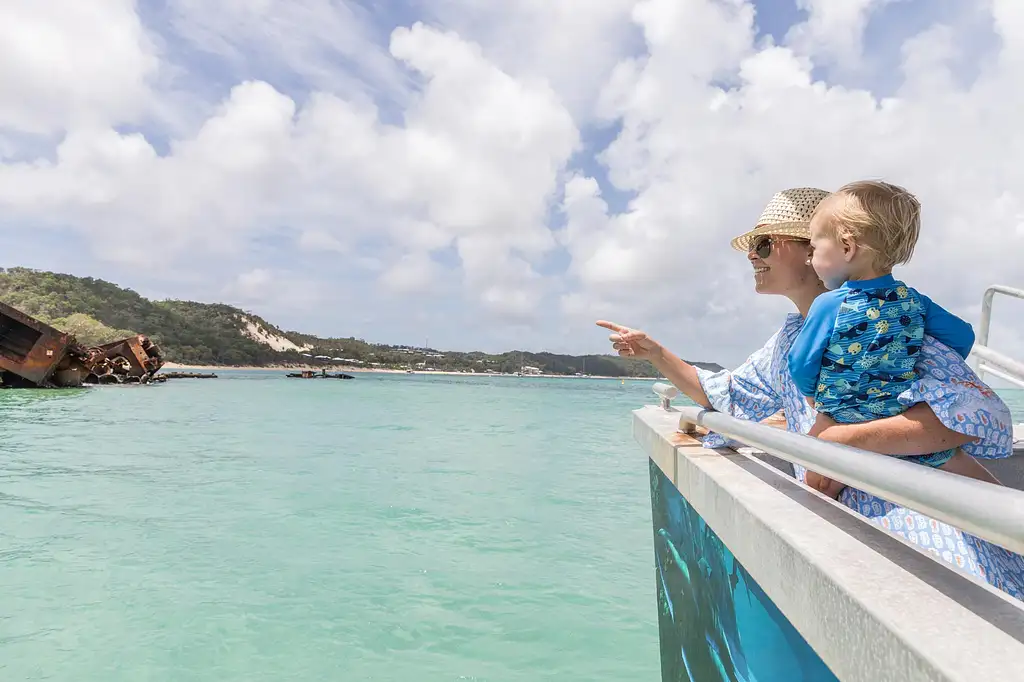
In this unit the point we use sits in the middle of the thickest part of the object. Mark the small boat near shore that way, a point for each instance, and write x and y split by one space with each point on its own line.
184 375
310 374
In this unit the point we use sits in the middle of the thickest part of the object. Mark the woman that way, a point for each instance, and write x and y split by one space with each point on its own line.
951 408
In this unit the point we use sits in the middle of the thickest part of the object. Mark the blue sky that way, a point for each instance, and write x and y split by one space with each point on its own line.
398 171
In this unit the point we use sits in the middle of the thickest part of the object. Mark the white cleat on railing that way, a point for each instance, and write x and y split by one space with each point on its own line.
666 392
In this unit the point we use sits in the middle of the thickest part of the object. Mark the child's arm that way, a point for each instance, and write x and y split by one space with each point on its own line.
810 344
946 327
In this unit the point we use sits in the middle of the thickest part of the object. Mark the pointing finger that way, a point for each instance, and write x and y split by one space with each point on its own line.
611 325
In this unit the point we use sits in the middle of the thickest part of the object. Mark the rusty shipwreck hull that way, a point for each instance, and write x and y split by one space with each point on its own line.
30 349
129 360
34 354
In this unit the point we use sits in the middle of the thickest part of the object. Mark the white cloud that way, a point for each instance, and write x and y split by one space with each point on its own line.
571 44
272 290
318 240
834 29
413 273
253 284
68 63
329 43
481 160
476 164
704 160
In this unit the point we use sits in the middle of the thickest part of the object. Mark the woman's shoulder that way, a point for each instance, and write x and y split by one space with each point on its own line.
790 327
781 341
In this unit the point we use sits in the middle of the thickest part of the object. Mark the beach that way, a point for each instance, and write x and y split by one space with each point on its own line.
174 366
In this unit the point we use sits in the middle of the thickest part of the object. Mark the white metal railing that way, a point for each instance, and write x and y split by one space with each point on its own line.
986 359
989 511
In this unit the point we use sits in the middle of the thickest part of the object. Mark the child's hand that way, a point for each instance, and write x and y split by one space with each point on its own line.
825 486
821 422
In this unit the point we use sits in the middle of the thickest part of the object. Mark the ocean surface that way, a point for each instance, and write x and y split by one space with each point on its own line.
393 527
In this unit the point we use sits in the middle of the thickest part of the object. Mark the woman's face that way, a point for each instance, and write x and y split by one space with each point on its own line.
780 264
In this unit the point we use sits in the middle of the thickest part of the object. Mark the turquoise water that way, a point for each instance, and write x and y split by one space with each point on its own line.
394 527
1015 400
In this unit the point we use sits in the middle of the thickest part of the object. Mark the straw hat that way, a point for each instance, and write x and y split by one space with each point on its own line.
788 214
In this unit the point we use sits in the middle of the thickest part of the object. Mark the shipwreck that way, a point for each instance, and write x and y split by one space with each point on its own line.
35 355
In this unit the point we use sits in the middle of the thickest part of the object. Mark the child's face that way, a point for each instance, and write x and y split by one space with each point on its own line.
831 257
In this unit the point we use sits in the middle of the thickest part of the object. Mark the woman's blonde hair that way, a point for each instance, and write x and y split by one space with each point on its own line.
883 217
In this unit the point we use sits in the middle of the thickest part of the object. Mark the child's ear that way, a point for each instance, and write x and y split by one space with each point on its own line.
849 248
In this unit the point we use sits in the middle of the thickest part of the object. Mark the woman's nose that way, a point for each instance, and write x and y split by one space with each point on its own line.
751 255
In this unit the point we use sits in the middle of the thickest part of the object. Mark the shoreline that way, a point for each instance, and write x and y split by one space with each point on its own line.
176 367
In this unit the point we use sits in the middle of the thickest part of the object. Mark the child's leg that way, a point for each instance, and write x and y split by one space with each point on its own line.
963 464
960 464
826 486
822 484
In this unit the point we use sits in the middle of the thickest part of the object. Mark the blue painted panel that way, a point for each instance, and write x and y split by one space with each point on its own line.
716 623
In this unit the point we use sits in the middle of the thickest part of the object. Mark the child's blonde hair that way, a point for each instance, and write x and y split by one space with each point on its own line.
883 217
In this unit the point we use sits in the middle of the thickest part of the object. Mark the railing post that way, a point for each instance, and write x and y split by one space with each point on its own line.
983 328
985 324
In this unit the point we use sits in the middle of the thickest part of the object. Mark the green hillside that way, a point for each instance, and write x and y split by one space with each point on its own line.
187 332
214 334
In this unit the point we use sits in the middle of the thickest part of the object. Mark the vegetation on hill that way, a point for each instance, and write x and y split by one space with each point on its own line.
88 331
216 334
187 332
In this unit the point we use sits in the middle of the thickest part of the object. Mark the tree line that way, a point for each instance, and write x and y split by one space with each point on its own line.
195 333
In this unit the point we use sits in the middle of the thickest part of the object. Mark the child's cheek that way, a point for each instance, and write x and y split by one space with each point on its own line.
819 264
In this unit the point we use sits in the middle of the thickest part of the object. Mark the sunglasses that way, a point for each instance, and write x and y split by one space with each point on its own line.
763 246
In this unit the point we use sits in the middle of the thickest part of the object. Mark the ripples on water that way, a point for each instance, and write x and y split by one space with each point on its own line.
387 528
394 527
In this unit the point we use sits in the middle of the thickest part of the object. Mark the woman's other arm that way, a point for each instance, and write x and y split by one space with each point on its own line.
915 432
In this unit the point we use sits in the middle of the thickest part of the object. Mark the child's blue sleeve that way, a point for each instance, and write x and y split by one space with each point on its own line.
946 327
810 344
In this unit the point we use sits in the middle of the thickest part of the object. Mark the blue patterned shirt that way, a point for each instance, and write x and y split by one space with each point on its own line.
857 349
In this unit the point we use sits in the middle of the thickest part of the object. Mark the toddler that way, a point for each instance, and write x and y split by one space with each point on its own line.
857 349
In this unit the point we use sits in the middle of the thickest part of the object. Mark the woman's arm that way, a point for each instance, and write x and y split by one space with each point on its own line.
636 344
746 392
682 374
917 429
915 432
